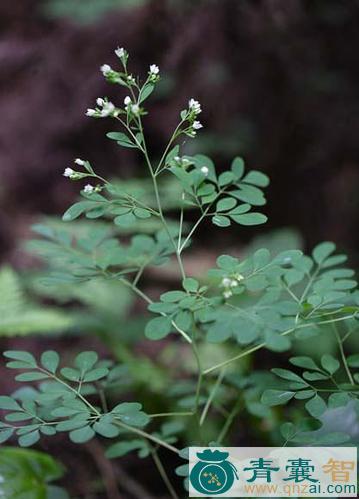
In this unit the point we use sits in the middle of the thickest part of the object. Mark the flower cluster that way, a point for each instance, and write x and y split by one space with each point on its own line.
154 73
104 109
74 175
229 283
194 109
131 107
122 54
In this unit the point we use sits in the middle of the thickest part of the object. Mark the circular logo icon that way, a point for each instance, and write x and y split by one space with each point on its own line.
213 474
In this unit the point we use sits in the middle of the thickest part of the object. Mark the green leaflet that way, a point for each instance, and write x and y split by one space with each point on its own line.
34 471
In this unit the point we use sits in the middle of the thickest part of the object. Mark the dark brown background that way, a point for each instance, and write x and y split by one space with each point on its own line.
278 81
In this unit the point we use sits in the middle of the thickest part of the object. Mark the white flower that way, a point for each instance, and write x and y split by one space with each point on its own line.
197 125
177 158
239 277
227 293
100 102
79 162
194 106
234 283
105 69
135 108
226 282
205 170
120 52
88 189
127 100
130 79
90 112
107 108
68 172
154 69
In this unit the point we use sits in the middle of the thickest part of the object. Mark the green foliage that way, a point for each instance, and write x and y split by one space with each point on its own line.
265 299
21 317
59 402
28 473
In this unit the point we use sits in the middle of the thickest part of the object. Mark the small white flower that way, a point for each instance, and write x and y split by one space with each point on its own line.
194 106
154 69
79 162
226 282
239 277
120 52
127 100
197 125
105 69
68 172
108 109
135 108
177 158
130 79
100 102
205 170
90 112
88 189
234 283
227 293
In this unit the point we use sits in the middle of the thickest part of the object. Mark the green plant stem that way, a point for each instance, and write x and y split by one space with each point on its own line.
170 414
342 354
77 393
200 377
211 397
262 345
180 224
172 139
163 474
349 333
229 421
164 223
148 436
148 300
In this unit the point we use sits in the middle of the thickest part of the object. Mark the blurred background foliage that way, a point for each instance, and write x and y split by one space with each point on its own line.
278 81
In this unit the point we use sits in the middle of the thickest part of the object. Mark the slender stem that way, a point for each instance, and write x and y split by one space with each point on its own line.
289 291
168 414
148 300
164 223
180 225
188 237
136 290
59 380
200 377
211 397
261 345
163 474
229 421
102 395
349 333
172 139
148 436
342 353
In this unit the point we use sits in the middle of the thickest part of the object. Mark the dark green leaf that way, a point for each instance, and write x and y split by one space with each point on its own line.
82 435
25 357
50 360
158 328
221 221
252 218
316 406
86 361
276 397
